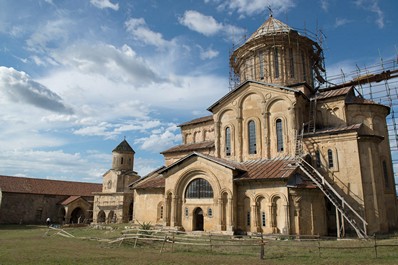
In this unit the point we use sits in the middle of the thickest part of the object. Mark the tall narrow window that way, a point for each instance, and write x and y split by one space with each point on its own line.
279 135
263 220
227 141
304 67
385 173
252 137
121 161
161 212
330 158
261 59
276 63
248 219
291 62
318 158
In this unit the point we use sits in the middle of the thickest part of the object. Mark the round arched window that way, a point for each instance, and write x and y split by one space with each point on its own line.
199 188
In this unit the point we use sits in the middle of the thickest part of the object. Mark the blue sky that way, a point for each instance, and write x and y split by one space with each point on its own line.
77 76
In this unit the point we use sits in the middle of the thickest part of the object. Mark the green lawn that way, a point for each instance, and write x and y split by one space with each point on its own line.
39 245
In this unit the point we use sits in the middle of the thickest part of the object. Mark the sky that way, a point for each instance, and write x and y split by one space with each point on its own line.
79 76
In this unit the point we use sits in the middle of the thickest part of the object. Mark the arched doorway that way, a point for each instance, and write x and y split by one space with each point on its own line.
77 216
101 217
111 217
131 208
198 222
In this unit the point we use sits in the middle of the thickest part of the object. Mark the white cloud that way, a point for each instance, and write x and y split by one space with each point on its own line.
341 22
372 6
104 4
161 139
120 64
19 87
208 26
140 31
209 53
325 5
198 22
253 7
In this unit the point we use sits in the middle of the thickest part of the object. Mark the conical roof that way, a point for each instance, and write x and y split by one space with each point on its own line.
270 27
123 147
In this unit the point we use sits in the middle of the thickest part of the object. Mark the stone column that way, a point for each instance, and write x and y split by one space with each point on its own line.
230 214
287 223
220 213
173 211
253 221
239 140
217 138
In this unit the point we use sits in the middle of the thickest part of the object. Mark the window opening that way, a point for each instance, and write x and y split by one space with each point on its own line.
318 158
279 135
276 62
252 137
330 158
199 188
263 218
261 58
385 173
227 141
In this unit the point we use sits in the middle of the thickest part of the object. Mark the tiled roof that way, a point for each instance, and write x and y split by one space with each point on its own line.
198 120
123 147
270 27
153 180
70 199
45 186
329 93
190 147
277 168
335 130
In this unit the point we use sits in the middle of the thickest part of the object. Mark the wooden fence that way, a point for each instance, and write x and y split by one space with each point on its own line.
170 240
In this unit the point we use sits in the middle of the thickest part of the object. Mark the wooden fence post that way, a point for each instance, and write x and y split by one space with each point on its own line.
262 247
375 244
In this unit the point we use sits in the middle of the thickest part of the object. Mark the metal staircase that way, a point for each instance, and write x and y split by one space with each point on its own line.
342 207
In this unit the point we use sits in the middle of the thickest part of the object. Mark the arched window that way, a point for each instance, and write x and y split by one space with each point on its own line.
227 141
276 63
263 220
199 188
318 158
261 59
252 137
279 135
330 158
385 173
291 62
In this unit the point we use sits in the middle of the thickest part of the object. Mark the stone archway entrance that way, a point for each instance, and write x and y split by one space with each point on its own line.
77 216
198 223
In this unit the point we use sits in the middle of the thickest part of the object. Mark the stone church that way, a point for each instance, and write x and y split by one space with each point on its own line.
277 154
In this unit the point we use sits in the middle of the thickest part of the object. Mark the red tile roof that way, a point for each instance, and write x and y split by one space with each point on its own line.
198 120
336 130
70 199
329 93
277 168
45 186
190 147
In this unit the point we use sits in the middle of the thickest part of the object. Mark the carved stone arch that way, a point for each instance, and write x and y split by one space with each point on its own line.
222 112
243 97
193 173
273 100
261 195
248 93
227 191
280 195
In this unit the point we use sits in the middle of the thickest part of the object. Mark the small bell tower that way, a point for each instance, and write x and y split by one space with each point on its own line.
123 157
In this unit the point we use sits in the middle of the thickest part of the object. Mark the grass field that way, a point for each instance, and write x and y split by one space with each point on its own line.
39 245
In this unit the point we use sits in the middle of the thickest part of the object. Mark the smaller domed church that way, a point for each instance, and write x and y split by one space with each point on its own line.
277 155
